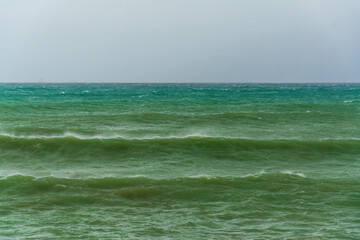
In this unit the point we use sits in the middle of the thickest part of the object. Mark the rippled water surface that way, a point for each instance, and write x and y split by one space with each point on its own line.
186 161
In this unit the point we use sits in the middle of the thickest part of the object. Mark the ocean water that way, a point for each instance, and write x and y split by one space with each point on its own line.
179 161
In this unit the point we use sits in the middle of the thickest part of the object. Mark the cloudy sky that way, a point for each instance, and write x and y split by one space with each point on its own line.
180 41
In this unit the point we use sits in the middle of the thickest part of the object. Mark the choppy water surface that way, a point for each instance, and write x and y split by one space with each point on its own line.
188 161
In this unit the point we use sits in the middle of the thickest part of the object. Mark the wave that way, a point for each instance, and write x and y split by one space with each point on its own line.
143 181
69 135
104 137
191 115
214 188
194 145
4 175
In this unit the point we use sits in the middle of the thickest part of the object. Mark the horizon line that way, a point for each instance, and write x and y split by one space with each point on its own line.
179 82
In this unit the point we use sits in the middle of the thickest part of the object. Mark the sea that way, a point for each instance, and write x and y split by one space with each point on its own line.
179 161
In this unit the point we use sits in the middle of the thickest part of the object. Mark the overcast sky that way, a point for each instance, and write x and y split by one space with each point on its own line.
180 41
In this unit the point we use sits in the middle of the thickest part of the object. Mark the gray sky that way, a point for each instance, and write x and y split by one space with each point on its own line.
180 41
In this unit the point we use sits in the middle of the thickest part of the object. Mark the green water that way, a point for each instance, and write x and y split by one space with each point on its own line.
186 161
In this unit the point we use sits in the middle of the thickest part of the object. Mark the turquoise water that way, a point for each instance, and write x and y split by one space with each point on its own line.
179 161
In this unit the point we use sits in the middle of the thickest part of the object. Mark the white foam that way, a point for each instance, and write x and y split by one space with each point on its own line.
257 174
201 176
151 137
263 172
102 136
294 173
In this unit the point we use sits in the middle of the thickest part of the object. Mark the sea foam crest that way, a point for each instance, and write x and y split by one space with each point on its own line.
155 137
113 136
263 172
289 172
